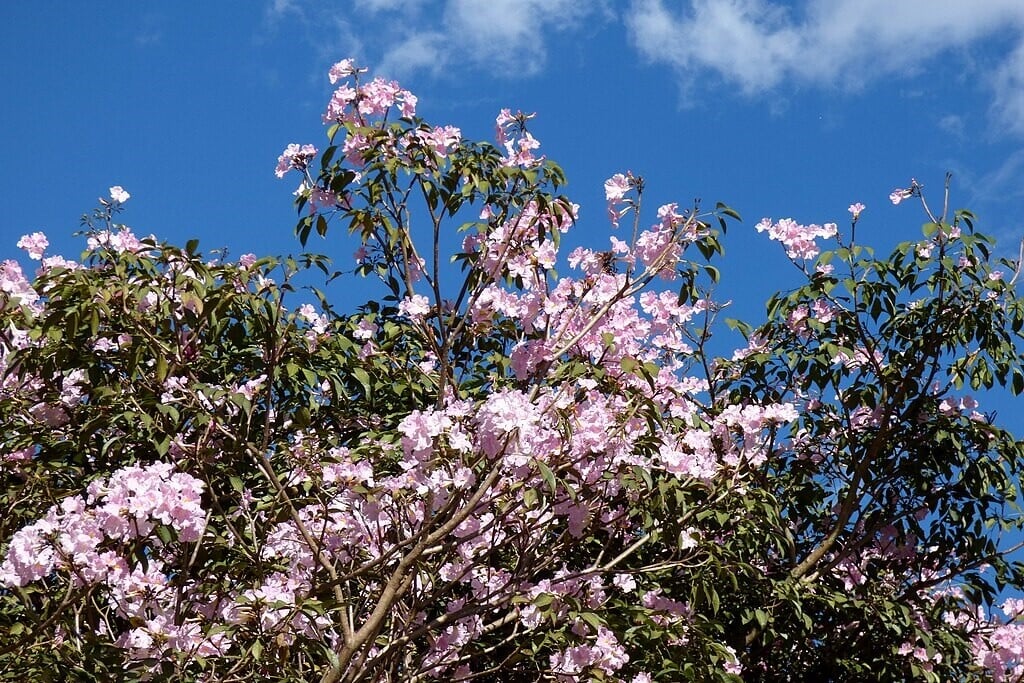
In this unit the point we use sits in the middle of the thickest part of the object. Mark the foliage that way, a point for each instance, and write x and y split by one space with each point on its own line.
497 473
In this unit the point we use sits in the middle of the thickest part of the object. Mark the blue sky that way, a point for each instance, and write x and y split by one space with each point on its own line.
781 109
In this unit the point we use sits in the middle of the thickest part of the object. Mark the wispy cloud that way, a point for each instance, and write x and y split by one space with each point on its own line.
1000 184
507 38
760 45
1008 86
149 30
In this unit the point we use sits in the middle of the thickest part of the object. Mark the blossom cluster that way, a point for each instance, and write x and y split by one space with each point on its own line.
515 497
798 239
294 157
519 143
72 536
352 105
616 190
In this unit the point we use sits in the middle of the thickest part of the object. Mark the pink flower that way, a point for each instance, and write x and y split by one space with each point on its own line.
899 194
504 118
118 194
414 307
294 157
509 124
1012 607
337 108
320 198
14 284
365 330
407 105
343 69
35 244
855 209
616 187
798 239
119 242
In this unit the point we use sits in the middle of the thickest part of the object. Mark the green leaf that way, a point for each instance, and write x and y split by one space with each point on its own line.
728 211
547 475
363 377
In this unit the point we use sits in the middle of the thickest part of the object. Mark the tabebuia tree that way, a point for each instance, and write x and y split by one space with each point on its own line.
495 471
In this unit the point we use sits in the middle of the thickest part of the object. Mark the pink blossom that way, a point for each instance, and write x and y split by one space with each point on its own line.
616 187
624 582
365 330
732 664
129 504
338 106
407 105
14 284
824 311
501 122
35 244
653 600
414 307
898 195
799 240
856 209
1013 607
19 455
119 195
294 157
519 150
343 69
251 387
121 241
441 140
320 198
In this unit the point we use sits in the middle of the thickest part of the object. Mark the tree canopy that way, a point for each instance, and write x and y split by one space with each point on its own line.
497 471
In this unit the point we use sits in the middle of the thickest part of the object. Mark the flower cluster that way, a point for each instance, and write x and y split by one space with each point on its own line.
35 244
798 239
615 190
352 105
295 158
72 536
519 144
548 460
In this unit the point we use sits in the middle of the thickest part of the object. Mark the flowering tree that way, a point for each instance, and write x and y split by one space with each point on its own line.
497 473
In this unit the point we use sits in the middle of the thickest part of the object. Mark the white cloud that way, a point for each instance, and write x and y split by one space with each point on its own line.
416 52
279 8
1000 184
510 34
762 44
375 6
504 37
1008 85
952 124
